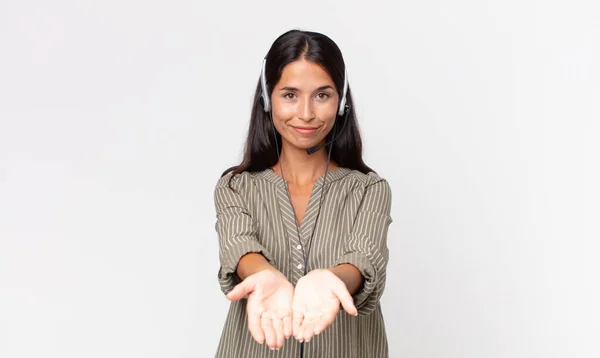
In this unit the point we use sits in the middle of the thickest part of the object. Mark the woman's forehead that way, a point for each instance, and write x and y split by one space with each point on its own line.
303 73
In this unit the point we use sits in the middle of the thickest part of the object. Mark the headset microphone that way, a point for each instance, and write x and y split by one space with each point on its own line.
311 150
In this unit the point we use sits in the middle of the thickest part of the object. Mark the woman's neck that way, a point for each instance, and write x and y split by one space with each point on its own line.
301 168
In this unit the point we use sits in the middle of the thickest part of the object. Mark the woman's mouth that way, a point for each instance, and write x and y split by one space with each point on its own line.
305 130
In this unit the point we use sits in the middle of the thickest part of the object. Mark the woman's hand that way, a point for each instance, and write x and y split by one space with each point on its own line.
269 306
317 301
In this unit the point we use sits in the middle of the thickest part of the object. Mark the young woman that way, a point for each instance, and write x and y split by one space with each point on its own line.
302 221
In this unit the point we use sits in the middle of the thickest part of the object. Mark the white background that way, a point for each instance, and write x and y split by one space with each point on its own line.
117 118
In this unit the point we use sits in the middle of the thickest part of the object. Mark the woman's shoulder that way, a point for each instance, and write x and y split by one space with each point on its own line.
370 183
371 188
229 180
365 179
242 180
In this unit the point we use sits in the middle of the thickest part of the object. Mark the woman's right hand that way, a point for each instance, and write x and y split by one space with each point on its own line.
269 306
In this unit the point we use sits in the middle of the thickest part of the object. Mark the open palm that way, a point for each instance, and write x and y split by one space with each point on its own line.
317 301
269 306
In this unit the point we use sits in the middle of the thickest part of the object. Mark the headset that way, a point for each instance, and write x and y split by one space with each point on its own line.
267 102
343 109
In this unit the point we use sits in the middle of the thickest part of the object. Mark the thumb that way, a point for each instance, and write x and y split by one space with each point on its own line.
346 300
242 289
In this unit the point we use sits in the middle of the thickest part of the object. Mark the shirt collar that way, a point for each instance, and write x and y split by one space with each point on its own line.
332 175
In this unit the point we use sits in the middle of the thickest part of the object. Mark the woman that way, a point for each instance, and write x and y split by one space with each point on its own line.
302 221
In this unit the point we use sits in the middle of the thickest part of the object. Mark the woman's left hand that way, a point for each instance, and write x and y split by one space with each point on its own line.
316 302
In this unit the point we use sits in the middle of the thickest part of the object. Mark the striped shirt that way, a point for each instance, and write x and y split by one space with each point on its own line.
352 228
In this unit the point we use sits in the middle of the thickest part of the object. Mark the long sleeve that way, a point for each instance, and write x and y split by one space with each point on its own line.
236 231
366 246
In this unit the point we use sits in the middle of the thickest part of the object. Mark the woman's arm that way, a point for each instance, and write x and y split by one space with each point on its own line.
366 246
237 233
350 275
252 263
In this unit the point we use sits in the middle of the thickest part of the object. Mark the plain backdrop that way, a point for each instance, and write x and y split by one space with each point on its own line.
118 117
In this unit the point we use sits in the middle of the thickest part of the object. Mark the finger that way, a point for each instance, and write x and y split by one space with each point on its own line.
308 328
325 321
241 290
345 299
278 328
267 326
254 325
255 328
297 323
287 326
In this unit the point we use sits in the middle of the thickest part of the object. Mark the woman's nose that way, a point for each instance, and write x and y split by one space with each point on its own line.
306 111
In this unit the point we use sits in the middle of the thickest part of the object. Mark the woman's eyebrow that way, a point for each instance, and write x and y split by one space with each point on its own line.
294 89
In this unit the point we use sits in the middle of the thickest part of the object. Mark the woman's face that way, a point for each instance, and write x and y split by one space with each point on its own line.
304 103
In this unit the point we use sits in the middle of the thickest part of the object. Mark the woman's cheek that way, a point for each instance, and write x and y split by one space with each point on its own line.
287 112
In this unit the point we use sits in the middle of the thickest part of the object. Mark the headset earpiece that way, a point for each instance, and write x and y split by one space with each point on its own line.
345 111
263 85
343 107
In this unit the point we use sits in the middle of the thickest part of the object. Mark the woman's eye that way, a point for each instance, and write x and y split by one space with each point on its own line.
323 95
288 96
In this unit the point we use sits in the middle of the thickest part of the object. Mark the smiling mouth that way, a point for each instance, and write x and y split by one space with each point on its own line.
305 130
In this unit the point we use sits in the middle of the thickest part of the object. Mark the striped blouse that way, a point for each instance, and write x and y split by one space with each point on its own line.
352 228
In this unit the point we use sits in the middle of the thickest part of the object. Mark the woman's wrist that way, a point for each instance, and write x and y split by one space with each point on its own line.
252 263
350 276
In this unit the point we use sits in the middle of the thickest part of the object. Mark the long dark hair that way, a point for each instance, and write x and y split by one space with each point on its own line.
260 149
